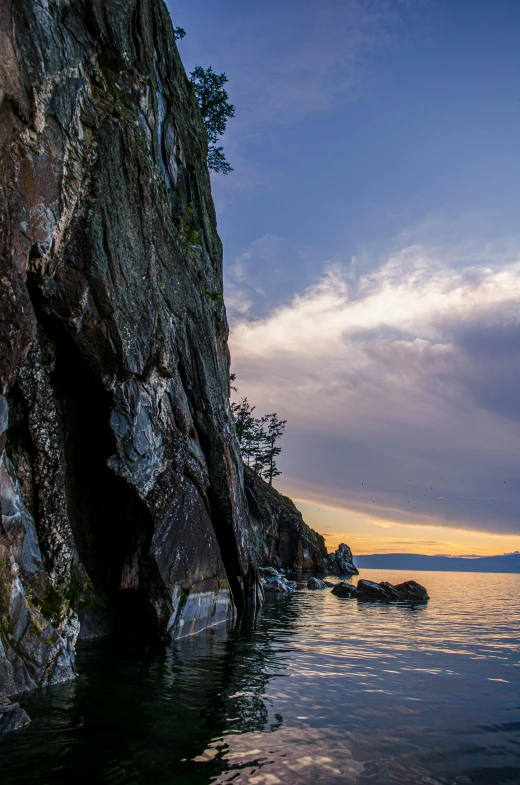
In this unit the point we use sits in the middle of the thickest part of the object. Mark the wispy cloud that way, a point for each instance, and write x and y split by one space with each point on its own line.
266 275
400 384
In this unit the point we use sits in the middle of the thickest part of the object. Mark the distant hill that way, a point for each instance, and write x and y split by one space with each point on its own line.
509 562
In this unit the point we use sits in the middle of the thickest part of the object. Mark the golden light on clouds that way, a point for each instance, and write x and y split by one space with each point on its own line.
401 401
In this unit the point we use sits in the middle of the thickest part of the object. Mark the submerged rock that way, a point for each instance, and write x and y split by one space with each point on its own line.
316 583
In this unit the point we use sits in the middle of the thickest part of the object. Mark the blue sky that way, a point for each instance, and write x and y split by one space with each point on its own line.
372 256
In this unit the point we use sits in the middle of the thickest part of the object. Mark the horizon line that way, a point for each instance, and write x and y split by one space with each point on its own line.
440 555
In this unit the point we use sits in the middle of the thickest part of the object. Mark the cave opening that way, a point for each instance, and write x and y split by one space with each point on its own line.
112 527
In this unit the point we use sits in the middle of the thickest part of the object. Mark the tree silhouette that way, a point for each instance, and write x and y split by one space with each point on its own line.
273 430
257 438
216 110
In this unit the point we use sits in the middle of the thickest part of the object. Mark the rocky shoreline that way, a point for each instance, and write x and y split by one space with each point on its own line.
408 591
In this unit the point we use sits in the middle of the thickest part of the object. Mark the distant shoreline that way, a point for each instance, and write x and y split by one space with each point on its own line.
507 563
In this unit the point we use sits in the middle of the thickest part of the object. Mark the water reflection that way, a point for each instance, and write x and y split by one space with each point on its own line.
314 689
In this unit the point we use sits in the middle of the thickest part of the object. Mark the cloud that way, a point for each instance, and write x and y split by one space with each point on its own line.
265 275
400 385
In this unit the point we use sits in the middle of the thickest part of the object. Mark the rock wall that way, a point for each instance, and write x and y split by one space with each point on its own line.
121 487
282 538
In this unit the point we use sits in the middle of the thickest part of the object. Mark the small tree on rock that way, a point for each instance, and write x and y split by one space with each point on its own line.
216 110
245 429
257 437
273 431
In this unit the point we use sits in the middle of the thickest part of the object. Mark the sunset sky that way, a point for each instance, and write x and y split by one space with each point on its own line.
372 257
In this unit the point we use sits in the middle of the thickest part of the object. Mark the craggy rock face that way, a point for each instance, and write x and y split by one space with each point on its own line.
341 562
122 491
282 538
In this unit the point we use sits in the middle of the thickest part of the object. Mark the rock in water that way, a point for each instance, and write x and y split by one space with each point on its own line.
411 591
368 590
12 717
341 562
389 590
115 427
279 584
344 589
316 583
269 572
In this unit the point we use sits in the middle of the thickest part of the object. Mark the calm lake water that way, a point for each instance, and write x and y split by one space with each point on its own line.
314 690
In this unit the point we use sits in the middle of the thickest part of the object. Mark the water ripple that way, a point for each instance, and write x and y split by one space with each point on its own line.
314 690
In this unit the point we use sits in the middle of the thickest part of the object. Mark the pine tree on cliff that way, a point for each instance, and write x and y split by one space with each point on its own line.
246 429
274 430
215 108
257 438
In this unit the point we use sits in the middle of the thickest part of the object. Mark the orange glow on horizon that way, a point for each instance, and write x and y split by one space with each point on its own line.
368 534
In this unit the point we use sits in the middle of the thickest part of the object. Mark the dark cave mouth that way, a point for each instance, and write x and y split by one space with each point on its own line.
111 526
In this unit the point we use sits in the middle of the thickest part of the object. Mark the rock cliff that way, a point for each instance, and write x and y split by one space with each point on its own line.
282 539
121 486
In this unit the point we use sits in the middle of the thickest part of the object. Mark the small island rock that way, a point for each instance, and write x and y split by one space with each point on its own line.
340 562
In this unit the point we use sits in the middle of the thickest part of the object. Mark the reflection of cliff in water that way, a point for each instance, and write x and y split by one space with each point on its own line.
148 714
246 659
